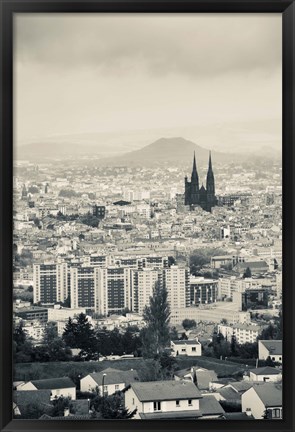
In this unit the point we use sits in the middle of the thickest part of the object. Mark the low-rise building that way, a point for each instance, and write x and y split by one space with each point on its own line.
243 332
189 347
60 387
263 400
265 374
272 349
108 381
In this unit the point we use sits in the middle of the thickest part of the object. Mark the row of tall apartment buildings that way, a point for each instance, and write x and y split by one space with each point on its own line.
107 285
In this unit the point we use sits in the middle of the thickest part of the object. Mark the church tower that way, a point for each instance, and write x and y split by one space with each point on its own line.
195 196
210 186
192 194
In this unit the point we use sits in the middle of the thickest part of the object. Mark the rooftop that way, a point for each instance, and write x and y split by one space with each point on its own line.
266 370
115 376
209 405
186 342
274 346
165 390
270 393
53 383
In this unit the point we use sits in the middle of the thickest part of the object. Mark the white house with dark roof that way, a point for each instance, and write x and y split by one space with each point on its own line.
59 387
265 373
272 349
189 347
113 381
170 400
263 398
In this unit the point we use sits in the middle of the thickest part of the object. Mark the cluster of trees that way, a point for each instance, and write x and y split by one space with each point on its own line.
201 257
79 334
92 342
220 347
90 220
24 259
68 193
87 219
52 348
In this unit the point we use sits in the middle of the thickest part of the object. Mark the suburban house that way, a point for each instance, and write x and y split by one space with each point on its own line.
170 400
272 349
263 400
58 387
113 380
200 376
232 392
265 374
189 347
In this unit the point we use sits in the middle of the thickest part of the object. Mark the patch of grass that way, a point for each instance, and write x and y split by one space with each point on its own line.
223 368
29 371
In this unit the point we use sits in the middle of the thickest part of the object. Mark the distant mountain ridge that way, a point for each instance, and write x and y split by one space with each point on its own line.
172 151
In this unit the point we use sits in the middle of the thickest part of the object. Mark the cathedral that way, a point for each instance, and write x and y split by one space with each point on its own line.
199 196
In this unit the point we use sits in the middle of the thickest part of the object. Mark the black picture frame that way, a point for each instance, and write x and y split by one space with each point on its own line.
8 8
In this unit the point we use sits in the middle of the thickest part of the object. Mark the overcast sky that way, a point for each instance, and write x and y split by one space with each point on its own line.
80 73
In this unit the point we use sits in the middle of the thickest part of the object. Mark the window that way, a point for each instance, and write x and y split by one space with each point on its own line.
133 401
194 349
276 413
178 403
116 386
157 406
183 350
190 402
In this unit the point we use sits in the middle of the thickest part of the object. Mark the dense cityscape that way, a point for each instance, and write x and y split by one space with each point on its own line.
148 292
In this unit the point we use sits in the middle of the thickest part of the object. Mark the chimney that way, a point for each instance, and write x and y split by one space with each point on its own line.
66 412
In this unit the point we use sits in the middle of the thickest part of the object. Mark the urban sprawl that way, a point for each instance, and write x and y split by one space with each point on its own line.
140 293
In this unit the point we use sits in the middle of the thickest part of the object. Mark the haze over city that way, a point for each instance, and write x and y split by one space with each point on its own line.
103 80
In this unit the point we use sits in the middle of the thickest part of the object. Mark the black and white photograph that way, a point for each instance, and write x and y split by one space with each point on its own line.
147 216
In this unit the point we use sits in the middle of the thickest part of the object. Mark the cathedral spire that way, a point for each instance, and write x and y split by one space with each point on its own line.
210 162
195 172
194 163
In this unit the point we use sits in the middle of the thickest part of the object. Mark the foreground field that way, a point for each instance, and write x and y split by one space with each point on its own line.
29 371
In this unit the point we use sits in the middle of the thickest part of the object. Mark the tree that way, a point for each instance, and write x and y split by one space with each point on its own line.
234 346
157 317
90 220
188 324
112 407
247 273
269 362
171 261
59 405
79 333
268 333
22 345
50 333
173 334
